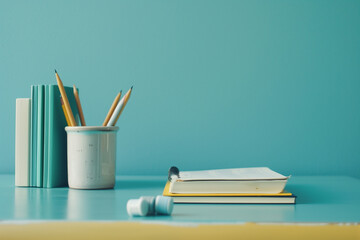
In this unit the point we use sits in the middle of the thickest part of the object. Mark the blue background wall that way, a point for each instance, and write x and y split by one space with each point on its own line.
217 84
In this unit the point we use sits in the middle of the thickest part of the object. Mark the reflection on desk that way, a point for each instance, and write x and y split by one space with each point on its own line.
320 199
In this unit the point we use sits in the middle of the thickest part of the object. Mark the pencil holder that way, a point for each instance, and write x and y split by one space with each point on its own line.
91 153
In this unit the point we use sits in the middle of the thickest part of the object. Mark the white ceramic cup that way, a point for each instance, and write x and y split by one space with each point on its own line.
91 153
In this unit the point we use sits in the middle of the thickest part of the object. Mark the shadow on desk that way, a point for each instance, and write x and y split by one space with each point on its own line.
326 190
139 183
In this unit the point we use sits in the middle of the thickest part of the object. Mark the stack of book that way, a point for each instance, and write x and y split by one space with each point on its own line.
236 185
40 137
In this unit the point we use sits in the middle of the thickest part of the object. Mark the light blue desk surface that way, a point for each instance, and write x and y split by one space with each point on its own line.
320 199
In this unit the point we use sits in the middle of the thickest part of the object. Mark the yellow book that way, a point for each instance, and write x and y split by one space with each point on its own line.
259 198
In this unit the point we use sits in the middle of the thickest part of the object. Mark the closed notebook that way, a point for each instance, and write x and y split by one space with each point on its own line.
55 144
233 180
246 198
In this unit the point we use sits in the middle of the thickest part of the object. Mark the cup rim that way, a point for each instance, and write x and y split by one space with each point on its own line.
91 128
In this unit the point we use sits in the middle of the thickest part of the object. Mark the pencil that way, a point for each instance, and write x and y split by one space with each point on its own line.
65 113
119 107
112 108
77 99
65 99
127 96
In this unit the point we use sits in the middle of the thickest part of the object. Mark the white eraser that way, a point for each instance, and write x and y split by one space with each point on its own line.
150 200
137 207
164 205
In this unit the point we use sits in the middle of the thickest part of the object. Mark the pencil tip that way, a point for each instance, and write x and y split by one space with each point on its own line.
55 71
131 87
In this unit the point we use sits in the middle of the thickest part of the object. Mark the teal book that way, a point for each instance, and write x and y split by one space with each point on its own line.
46 127
40 136
33 148
55 139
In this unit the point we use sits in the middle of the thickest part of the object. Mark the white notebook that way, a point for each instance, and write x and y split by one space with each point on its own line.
234 180
263 173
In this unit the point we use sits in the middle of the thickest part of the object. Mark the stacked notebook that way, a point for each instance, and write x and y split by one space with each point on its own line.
236 185
40 145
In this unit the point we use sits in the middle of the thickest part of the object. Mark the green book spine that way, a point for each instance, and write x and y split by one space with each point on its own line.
34 101
40 137
46 137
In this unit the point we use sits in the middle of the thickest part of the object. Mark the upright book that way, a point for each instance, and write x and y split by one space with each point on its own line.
55 143
41 143
33 144
40 137
22 142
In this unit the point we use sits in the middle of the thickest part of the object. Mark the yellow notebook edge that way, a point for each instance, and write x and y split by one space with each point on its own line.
167 192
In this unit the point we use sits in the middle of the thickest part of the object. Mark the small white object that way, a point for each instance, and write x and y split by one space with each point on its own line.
150 200
91 153
137 207
164 205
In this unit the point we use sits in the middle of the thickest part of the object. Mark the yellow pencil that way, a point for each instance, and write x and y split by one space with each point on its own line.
127 96
65 99
112 108
77 99
65 113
